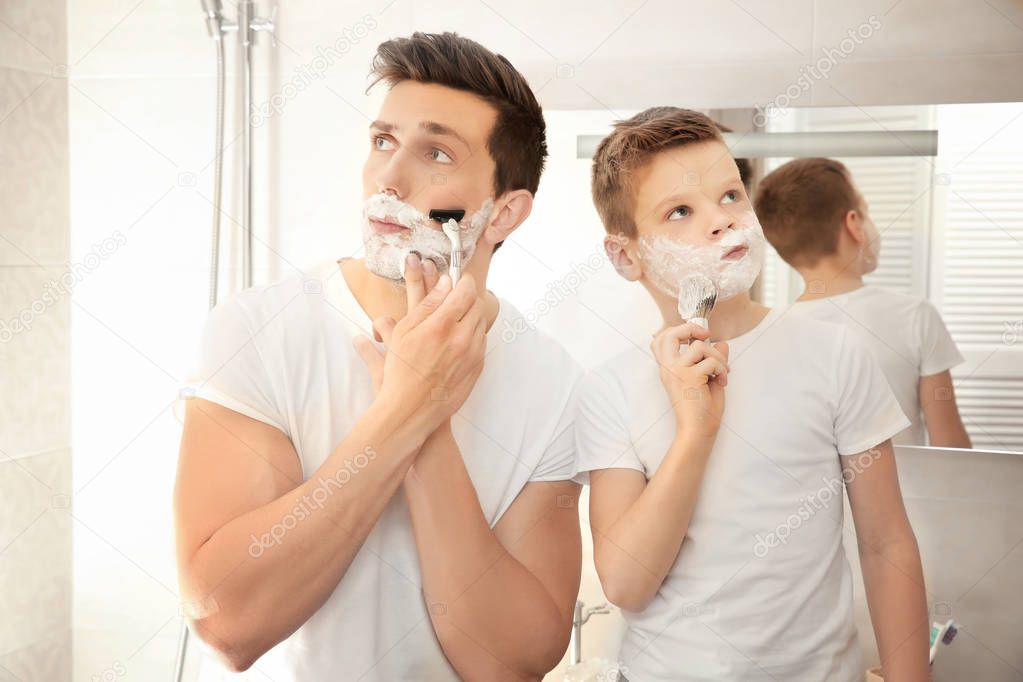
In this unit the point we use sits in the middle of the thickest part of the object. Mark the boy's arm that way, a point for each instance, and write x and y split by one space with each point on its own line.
638 526
501 601
890 561
941 415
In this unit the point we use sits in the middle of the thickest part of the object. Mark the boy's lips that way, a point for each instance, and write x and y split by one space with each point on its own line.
736 252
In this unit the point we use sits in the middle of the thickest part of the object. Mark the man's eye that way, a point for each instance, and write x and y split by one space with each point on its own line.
440 156
731 196
679 213
382 143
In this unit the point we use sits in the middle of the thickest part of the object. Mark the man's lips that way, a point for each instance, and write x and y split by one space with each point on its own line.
386 227
736 252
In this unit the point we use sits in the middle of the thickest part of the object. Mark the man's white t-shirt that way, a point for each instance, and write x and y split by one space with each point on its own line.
757 592
905 333
282 354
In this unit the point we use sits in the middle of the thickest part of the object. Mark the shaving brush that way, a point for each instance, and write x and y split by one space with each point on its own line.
696 298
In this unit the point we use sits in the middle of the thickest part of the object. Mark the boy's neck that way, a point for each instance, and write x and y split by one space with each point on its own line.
728 319
829 278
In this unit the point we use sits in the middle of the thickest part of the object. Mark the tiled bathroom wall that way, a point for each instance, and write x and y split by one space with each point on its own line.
35 439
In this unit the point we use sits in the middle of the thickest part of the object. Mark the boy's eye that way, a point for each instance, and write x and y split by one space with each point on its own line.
731 196
382 143
439 155
679 212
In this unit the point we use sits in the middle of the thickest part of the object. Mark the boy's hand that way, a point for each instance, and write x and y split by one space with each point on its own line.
697 396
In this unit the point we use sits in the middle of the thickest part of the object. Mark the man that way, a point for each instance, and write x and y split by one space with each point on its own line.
349 510
819 223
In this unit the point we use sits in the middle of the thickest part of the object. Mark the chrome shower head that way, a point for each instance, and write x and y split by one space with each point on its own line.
212 8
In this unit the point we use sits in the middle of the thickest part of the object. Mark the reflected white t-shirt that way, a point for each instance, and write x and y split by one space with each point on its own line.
905 333
757 592
282 354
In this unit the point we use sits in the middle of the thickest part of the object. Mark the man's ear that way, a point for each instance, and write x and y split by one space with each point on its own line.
622 257
509 212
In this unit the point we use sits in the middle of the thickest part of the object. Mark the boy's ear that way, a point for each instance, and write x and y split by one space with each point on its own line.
852 224
509 212
616 246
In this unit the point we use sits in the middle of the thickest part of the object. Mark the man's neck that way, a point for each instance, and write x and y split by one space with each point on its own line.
730 318
829 278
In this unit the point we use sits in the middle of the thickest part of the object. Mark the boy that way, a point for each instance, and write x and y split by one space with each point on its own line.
817 220
349 514
716 469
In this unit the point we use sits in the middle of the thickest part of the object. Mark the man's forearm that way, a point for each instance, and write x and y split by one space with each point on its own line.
637 551
259 577
495 620
894 583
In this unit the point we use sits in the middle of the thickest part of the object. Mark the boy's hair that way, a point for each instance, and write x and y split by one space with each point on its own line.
518 142
801 206
629 147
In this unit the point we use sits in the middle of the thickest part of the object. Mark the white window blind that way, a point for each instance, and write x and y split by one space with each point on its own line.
977 280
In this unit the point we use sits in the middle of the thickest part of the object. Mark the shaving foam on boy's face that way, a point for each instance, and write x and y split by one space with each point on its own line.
386 252
667 259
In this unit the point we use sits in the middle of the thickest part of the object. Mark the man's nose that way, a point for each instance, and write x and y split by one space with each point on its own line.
391 178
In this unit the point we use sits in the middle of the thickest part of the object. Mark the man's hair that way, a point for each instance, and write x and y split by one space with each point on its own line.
518 141
629 147
801 206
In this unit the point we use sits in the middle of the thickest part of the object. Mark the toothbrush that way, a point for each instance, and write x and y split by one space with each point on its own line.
942 634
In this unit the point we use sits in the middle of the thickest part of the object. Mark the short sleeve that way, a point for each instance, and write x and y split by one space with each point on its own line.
866 411
938 352
227 367
558 460
601 433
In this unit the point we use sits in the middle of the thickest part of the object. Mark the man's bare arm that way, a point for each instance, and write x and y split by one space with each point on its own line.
239 479
501 601
259 550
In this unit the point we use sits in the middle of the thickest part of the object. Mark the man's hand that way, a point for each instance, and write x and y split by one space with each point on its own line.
435 352
697 396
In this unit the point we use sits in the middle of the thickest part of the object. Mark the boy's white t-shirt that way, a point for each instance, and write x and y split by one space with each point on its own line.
905 333
282 354
757 592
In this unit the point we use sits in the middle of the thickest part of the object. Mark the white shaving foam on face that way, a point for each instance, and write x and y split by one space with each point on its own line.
667 261
385 253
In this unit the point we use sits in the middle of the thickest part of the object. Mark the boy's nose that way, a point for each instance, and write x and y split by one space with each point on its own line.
722 222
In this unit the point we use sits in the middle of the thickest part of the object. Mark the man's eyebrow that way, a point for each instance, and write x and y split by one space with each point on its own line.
440 129
383 126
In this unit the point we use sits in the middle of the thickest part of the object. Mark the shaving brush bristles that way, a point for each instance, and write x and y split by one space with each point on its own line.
696 298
